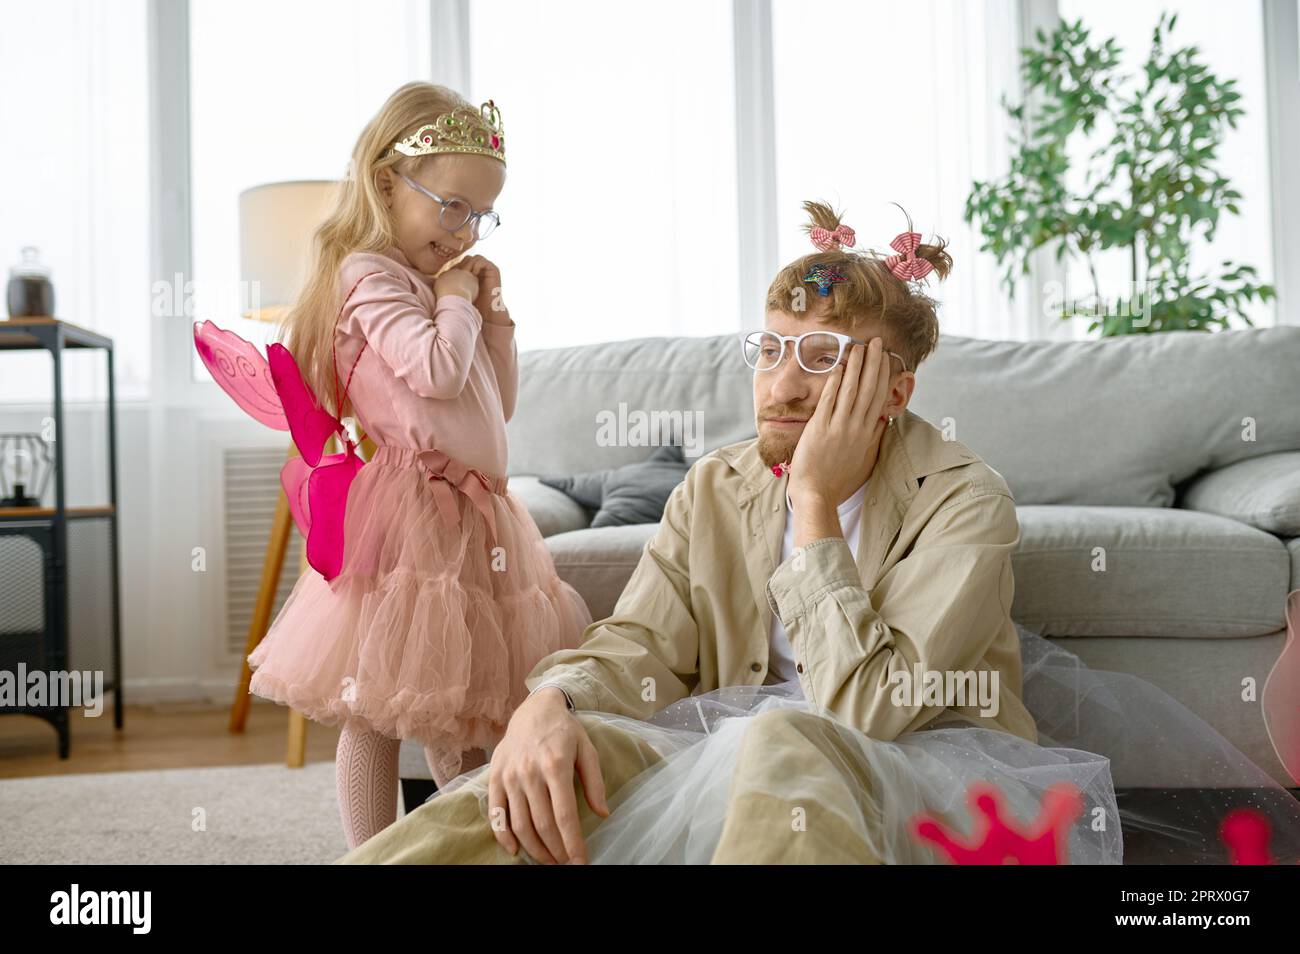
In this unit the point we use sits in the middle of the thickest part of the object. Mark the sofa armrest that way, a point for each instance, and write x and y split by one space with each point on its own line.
1263 492
553 512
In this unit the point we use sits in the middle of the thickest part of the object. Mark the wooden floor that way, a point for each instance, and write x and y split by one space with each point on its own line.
154 737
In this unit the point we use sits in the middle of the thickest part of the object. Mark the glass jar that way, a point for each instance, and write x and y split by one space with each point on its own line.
31 294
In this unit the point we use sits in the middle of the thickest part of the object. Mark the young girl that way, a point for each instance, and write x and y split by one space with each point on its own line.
447 596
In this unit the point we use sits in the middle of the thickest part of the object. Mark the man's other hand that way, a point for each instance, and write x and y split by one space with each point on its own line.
531 799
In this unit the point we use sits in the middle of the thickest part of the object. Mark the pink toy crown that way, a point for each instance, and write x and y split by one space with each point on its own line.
1043 842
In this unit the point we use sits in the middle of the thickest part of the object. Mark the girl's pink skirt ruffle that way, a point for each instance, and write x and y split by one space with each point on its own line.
430 629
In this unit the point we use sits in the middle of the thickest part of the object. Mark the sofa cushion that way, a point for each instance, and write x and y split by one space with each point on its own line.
1116 421
1263 492
592 407
1166 573
599 562
552 511
633 493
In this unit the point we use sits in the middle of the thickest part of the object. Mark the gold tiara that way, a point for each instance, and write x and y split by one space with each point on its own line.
460 131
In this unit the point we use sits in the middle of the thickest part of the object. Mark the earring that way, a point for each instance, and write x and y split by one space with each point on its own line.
891 419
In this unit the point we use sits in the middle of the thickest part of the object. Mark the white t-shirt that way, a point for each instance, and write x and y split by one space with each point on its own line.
781 662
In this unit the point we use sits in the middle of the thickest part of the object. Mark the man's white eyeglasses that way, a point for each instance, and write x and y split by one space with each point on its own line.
818 352
456 212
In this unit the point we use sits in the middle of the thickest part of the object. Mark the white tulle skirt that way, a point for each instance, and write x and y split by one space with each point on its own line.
1156 781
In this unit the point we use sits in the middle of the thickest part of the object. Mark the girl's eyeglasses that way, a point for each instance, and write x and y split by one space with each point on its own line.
818 352
456 212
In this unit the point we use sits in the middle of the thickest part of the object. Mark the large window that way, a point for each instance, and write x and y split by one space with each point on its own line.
75 168
883 102
621 209
1230 38
279 91
619 217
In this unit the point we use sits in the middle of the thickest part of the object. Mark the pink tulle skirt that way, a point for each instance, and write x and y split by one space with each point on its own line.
432 625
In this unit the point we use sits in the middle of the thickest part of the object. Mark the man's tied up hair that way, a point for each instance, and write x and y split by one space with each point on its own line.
906 315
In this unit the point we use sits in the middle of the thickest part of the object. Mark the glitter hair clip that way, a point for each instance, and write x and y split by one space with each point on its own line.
824 276
461 131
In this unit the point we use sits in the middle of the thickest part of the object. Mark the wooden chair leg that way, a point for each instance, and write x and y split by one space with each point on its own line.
297 755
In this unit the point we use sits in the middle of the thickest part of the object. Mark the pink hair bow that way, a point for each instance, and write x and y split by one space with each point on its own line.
827 239
905 265
452 476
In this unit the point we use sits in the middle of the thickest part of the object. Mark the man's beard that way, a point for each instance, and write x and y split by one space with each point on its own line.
776 444
775 447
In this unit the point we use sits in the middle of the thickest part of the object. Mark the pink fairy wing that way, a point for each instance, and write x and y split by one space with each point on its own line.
316 486
318 499
1280 699
293 478
309 424
327 491
241 371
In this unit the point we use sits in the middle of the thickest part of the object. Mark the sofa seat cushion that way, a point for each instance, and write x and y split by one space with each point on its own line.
1166 572
598 562
1145 571
552 510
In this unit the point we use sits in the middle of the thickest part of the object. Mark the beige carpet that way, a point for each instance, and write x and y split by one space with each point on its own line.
260 814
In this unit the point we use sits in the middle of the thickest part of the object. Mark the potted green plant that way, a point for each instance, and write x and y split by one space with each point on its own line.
1152 188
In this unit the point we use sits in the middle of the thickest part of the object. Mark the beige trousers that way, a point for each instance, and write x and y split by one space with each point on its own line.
759 828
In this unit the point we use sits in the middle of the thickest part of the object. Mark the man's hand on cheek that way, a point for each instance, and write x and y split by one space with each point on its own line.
837 444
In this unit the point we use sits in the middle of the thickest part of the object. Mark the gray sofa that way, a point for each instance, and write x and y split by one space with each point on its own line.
1176 454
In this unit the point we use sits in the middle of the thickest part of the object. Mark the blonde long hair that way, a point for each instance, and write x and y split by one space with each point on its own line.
872 292
359 221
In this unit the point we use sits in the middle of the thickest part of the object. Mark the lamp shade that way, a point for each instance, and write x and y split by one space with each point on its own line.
276 223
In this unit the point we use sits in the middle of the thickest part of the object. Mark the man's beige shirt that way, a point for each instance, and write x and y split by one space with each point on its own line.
932 584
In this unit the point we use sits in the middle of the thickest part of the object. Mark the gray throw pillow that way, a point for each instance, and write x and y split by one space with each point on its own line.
1261 491
633 493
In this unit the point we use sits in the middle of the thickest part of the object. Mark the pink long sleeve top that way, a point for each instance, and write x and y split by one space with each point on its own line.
433 373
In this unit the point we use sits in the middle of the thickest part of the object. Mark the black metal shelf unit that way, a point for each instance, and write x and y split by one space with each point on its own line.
47 648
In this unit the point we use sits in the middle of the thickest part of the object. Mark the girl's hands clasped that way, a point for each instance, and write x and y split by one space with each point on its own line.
488 300
838 441
456 281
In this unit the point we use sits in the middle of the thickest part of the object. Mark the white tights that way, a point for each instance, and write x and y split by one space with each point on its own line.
365 767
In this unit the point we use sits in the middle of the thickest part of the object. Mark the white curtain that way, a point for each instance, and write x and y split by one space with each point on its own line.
75 168
621 204
883 102
619 214
280 91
